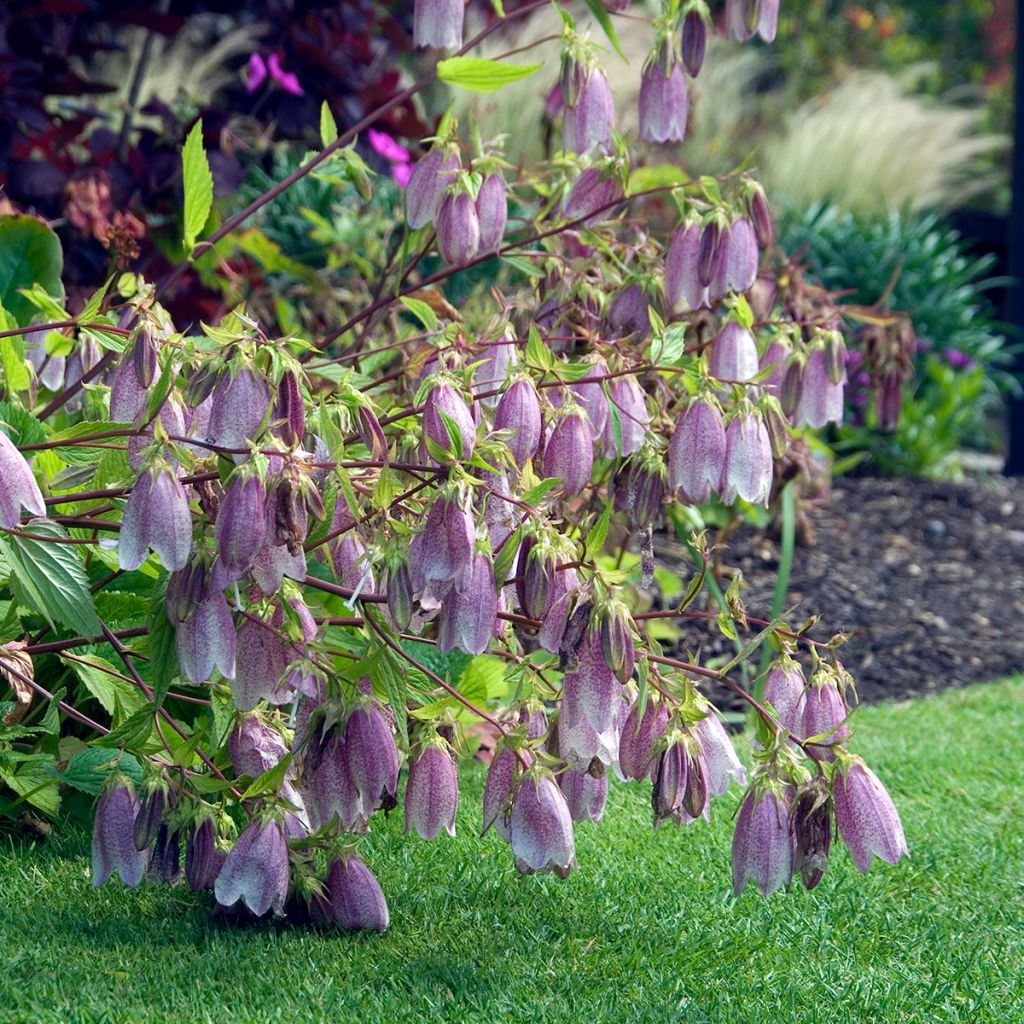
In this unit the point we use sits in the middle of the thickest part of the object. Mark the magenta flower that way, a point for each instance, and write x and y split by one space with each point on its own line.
762 844
18 487
355 898
432 793
257 72
288 80
113 837
541 827
255 870
867 819
696 453
156 516
384 145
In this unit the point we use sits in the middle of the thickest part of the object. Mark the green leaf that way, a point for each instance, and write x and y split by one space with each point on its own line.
132 732
270 781
52 578
163 659
328 126
198 185
120 699
30 254
84 454
12 357
537 353
476 74
88 770
604 20
396 683
598 534
20 425
92 307
641 179
422 311
34 782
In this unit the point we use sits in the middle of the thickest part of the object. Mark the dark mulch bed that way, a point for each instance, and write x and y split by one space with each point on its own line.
928 577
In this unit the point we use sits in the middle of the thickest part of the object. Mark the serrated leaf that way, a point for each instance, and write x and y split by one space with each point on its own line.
120 699
34 782
52 578
83 454
92 307
88 770
132 732
270 781
396 683
422 311
12 362
198 183
163 658
477 74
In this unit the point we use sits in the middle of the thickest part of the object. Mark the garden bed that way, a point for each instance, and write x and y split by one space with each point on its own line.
928 578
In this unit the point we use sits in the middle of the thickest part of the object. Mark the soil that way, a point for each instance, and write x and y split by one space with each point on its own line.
927 577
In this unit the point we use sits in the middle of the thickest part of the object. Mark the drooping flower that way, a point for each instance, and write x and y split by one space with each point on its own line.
443 401
427 185
438 24
467 616
638 738
328 786
593 196
255 870
262 656
812 831
694 42
628 418
541 827
866 816
663 104
458 229
629 314
18 487
821 399
203 860
585 794
372 757
784 688
242 522
762 844
696 453
724 766
156 516
113 837
825 713
569 453
206 640
736 269
492 212
238 406
588 721
355 898
499 789
519 410
748 461
255 747
733 355
432 793
441 554
590 122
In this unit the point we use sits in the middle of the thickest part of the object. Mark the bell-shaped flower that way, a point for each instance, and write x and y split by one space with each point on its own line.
541 827
156 516
445 403
492 212
629 314
825 713
569 453
458 229
238 407
206 641
663 104
427 185
113 837
591 121
776 356
762 843
256 870
866 816
441 553
588 721
733 355
748 461
261 659
432 793
561 597
784 689
372 757
328 786
638 738
628 418
720 755
684 291
736 269
437 24
255 747
18 487
585 794
354 896
696 453
203 860
242 522
821 399
593 196
467 616
811 815
500 787
519 411
273 563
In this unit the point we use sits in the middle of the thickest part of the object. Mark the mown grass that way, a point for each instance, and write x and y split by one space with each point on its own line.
645 931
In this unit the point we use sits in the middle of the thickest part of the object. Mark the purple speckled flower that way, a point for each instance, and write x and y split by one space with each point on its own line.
541 827
784 689
444 401
18 487
588 722
492 212
736 269
866 816
255 747
255 870
500 788
458 229
696 454
591 121
684 291
113 837
427 184
821 399
825 713
748 461
355 898
762 844
432 793
206 641
733 354
372 757
157 516
663 104
569 453
724 766
585 794
593 196
637 740
238 407
629 408
242 522
519 410
468 615
437 24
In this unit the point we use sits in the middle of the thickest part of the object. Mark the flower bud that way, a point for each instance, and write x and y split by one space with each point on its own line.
537 570
694 42
784 689
354 896
500 788
812 831
458 229
669 785
256 870
238 407
775 356
432 793
430 179
492 212
569 453
541 828
442 402
761 218
777 426
733 355
638 738
645 492
200 385
616 634
865 815
290 410
709 256
156 801
399 594
113 837
165 863
695 792
821 399
762 844
585 794
242 522
372 433
574 630
696 454
255 747
792 387
144 358
738 259
741 18
18 487
825 714
629 409
372 757
437 24
156 516
519 410
203 860
663 104
684 290
748 461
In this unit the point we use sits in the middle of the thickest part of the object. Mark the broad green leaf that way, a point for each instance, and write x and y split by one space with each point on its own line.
198 185
132 732
92 307
120 699
163 661
641 179
604 20
599 533
19 425
84 454
88 770
14 369
422 311
328 126
33 781
52 578
270 781
476 74
30 254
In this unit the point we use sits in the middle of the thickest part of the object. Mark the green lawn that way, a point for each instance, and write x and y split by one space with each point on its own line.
645 931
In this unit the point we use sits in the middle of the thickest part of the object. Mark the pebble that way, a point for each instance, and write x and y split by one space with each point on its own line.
934 528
